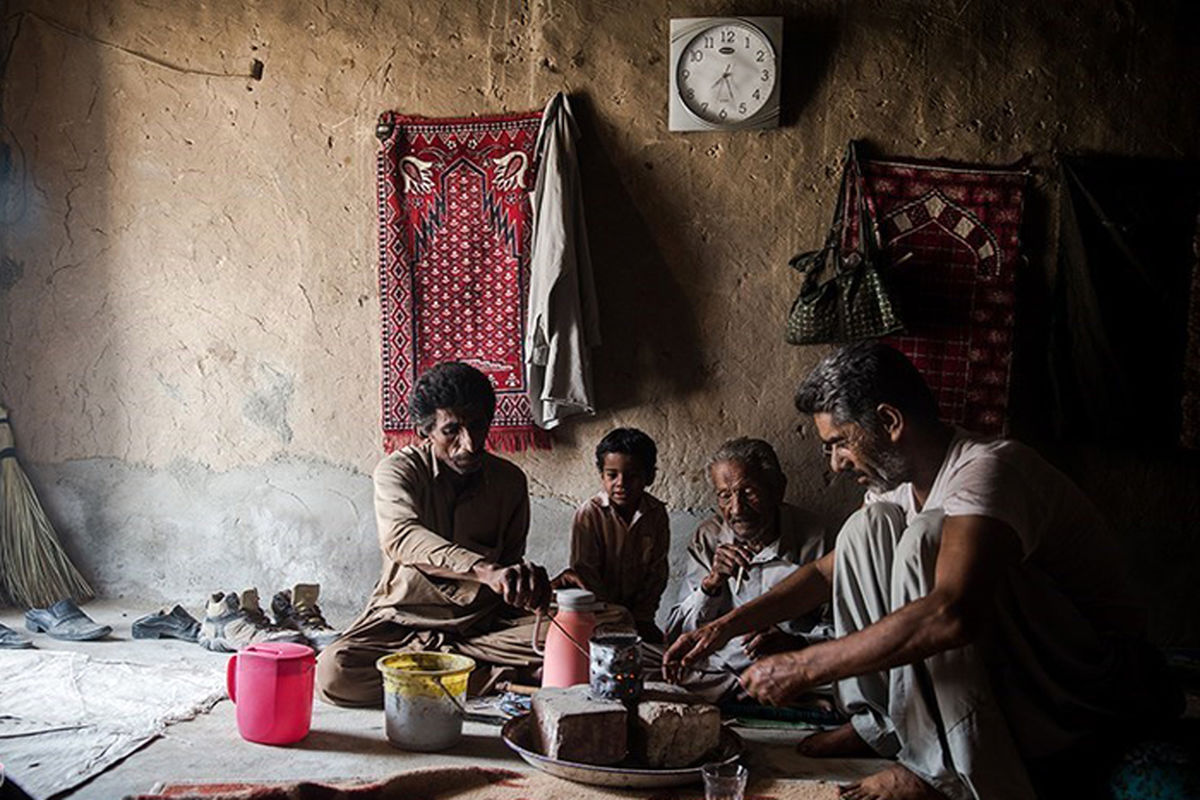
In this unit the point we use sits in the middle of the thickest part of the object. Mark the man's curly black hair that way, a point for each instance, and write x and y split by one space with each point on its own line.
450 385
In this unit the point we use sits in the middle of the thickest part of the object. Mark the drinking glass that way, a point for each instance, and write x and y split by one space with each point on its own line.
724 781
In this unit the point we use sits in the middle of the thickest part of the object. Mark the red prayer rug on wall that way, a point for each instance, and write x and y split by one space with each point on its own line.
952 236
454 237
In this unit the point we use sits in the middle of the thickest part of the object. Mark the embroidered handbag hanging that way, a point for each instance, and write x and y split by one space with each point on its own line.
853 302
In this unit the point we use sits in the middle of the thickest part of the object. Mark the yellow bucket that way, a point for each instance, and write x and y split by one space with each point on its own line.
420 691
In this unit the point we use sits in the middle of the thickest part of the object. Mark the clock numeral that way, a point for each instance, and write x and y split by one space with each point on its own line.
704 106
747 42
766 75
761 55
691 93
741 108
727 37
686 74
756 95
723 114
696 56
708 42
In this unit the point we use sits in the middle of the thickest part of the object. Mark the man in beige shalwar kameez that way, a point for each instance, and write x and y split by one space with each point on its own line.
452 523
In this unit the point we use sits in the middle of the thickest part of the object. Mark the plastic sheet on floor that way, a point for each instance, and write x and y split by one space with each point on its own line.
65 717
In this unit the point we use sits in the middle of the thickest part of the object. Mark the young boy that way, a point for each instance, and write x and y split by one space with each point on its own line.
620 537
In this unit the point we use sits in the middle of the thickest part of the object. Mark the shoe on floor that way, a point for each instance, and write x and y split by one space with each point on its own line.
13 640
232 622
64 620
174 624
297 609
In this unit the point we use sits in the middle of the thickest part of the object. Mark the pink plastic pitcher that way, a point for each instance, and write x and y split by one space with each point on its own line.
566 660
272 686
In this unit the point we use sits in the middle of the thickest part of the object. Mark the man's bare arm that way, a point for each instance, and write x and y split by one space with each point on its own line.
975 553
797 594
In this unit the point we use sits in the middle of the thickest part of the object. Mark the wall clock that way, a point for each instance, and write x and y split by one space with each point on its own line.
724 73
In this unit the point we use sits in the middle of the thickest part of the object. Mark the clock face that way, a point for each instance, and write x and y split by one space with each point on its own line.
725 74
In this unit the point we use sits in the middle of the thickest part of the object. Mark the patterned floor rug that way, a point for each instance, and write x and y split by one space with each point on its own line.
475 783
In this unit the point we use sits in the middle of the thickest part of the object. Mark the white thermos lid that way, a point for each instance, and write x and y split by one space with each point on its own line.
575 599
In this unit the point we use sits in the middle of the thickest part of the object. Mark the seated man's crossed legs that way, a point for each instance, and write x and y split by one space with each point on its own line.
347 676
938 718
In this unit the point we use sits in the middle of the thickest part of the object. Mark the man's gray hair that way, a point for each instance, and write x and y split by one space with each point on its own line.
757 456
851 383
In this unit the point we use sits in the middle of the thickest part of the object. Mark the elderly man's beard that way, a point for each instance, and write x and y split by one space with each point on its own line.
889 466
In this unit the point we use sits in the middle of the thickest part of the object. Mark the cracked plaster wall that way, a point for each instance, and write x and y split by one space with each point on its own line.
188 293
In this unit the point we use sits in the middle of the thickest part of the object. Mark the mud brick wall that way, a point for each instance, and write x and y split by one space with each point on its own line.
188 291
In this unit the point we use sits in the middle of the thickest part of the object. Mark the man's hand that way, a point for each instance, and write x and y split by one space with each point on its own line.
771 641
568 579
690 648
778 679
727 560
523 585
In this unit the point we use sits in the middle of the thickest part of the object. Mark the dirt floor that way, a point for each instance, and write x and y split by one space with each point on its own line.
343 743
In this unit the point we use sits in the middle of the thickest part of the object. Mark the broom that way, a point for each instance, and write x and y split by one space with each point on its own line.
34 570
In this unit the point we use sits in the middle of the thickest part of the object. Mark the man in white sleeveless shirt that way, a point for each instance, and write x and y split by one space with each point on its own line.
982 617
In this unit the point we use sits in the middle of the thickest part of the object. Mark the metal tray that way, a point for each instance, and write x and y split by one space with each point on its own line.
518 735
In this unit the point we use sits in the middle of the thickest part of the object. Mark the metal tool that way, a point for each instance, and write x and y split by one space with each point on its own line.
470 716
727 670
582 649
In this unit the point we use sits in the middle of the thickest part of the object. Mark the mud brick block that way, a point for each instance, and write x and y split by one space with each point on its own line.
674 728
571 726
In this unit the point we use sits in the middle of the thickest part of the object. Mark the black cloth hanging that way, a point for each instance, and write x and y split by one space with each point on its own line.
1123 279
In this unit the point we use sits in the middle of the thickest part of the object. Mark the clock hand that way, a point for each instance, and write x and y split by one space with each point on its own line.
728 87
724 75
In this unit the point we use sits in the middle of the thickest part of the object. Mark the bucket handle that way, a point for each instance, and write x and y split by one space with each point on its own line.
462 710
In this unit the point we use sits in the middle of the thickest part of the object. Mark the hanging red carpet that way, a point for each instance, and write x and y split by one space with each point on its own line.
454 230
953 235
